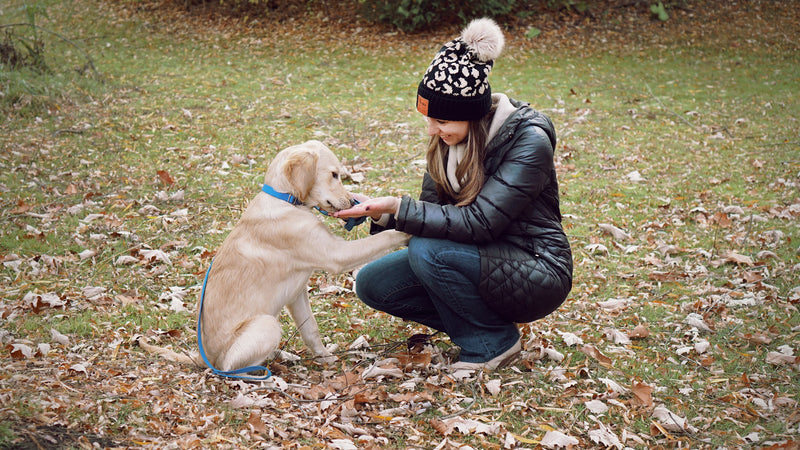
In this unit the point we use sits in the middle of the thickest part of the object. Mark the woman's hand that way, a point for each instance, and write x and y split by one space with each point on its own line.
361 198
374 207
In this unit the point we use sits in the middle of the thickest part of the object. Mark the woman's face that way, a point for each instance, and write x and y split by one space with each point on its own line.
450 131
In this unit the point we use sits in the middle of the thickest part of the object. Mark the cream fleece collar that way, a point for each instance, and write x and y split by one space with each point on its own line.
456 152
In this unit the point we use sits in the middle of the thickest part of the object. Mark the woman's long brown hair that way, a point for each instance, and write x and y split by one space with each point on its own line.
470 172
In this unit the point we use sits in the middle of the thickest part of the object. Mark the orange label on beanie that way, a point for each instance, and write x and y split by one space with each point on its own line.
422 105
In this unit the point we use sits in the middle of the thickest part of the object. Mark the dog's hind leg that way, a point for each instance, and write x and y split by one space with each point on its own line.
255 341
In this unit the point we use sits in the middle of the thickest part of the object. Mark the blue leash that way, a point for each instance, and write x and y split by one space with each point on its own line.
224 373
351 223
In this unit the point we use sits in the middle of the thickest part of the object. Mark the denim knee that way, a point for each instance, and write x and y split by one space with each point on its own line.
425 255
367 284
386 281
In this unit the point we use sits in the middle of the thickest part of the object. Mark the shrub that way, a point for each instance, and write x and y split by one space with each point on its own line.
414 15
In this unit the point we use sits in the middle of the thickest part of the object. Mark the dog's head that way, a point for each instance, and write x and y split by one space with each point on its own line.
312 173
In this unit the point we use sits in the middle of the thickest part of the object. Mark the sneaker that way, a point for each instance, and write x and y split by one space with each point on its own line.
505 359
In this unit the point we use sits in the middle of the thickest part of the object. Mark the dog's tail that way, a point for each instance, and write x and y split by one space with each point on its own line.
169 354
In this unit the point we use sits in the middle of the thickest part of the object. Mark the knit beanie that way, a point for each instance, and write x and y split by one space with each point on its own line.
456 86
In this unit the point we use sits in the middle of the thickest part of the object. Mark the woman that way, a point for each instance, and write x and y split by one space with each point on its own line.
487 248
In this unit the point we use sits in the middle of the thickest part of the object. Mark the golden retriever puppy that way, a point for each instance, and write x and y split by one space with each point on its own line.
265 262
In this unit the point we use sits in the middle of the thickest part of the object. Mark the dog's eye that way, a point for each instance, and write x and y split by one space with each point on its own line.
335 175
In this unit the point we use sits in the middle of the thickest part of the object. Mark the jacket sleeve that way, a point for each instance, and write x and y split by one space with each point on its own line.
427 194
520 176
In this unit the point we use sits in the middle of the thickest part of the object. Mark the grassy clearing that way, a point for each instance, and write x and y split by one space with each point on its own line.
682 139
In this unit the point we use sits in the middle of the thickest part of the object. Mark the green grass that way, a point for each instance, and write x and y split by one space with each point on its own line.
709 121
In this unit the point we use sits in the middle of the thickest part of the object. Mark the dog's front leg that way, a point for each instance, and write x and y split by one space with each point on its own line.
303 318
342 255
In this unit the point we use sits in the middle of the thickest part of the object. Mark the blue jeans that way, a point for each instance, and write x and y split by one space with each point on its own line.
435 282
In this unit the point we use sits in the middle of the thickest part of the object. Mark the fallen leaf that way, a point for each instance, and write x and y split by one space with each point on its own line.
671 421
519 438
667 250
616 336
165 177
596 249
635 176
440 427
614 304
374 372
733 257
58 337
359 343
756 338
42 349
696 320
593 352
39 302
80 368
596 406
639 332
493 386
642 394
553 354
722 219
20 351
766 254
701 346
125 260
255 423
615 232
93 292
128 298
780 359
557 439
605 437
752 276
86 254
343 444
571 339
155 255
471 426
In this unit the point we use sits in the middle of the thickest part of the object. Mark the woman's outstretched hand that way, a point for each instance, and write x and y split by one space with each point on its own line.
374 207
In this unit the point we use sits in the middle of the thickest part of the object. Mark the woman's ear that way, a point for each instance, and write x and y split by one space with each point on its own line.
300 170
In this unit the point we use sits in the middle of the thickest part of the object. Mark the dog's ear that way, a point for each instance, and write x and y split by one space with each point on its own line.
300 170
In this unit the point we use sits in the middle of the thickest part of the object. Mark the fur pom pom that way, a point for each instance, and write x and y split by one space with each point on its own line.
485 38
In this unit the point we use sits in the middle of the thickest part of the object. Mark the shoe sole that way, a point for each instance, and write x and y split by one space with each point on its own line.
512 358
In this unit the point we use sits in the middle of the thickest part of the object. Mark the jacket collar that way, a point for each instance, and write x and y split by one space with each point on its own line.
504 110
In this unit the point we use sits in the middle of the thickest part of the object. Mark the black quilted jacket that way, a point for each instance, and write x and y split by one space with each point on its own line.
526 262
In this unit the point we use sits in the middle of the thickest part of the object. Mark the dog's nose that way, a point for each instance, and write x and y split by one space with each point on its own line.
353 202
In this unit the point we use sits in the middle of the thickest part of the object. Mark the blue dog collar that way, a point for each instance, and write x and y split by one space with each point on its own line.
350 222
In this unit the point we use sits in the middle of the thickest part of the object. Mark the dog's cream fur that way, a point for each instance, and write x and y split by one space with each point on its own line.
265 262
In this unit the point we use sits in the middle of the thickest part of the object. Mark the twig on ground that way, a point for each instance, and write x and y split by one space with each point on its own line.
468 407
683 119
